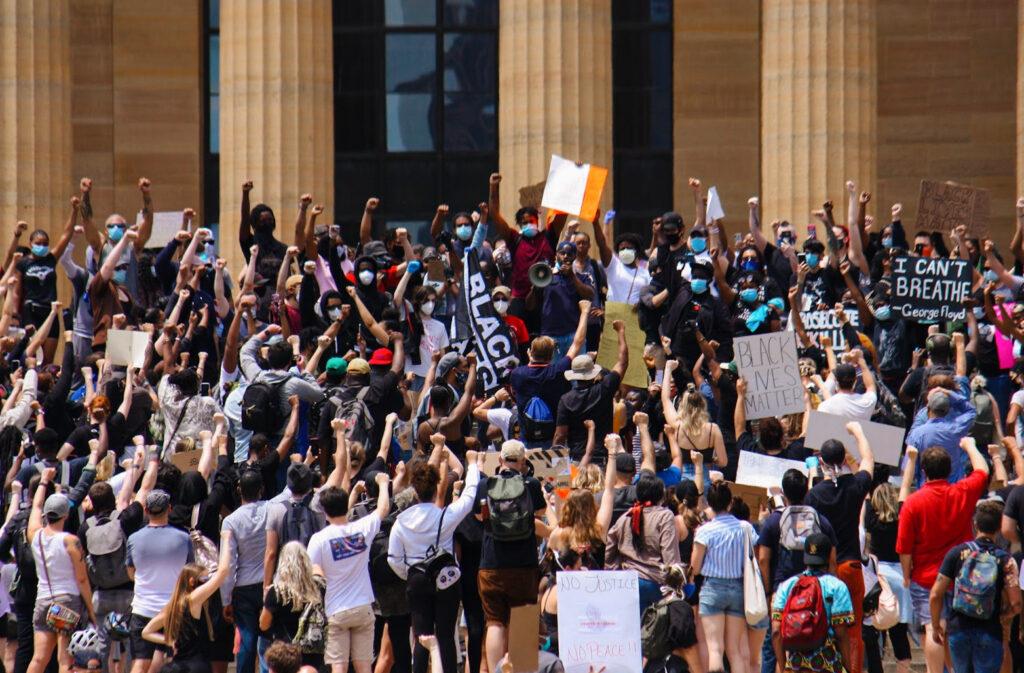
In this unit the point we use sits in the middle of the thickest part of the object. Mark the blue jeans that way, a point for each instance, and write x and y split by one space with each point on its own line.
247 602
768 660
650 593
562 344
975 648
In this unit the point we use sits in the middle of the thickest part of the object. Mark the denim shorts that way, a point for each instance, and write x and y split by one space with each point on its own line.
718 596
919 599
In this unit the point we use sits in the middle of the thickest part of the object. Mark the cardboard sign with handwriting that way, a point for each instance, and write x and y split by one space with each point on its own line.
186 461
768 363
599 621
757 469
943 206
548 464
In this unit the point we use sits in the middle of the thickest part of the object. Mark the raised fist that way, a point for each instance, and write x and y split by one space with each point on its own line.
372 204
144 185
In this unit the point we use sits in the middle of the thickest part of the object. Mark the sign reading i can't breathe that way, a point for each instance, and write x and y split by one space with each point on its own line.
929 290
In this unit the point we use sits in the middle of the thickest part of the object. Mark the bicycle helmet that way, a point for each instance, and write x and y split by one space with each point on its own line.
86 640
117 625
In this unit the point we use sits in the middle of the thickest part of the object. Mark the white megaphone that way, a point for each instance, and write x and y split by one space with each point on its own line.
540 274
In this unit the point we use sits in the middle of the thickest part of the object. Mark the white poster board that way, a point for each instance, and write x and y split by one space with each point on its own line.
566 185
886 441
166 225
757 469
599 621
127 347
768 362
714 211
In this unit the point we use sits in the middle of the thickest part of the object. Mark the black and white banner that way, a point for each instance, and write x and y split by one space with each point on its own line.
929 290
478 326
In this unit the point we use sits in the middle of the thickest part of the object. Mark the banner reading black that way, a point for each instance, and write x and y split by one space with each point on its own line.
928 290
478 326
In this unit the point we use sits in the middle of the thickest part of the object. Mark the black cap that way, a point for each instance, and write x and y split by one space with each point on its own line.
672 220
625 464
817 549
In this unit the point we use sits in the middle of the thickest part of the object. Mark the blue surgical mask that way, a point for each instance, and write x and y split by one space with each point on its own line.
464 231
887 242
777 304
529 230
115 234
991 276
979 312
750 265
698 244
883 312
812 260
699 285
120 277
748 296
40 250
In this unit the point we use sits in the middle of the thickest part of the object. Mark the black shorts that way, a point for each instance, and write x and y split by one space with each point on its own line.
36 314
139 647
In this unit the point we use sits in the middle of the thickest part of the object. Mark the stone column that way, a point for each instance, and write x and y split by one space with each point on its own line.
276 111
35 116
818 80
555 74
1020 98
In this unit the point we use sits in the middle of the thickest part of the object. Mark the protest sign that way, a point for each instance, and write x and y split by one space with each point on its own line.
818 323
757 469
599 620
522 638
530 196
479 327
768 362
127 347
186 461
574 189
755 497
608 348
166 224
551 465
943 206
928 290
714 211
886 441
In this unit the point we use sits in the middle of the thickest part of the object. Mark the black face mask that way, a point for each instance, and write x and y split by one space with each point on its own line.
672 239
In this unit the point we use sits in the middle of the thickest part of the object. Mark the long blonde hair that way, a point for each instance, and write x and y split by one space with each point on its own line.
188 579
693 412
885 502
294 581
591 478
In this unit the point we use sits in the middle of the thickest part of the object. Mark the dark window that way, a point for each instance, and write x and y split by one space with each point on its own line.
415 107
211 117
642 111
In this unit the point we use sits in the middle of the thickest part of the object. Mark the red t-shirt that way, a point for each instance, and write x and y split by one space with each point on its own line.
935 519
518 328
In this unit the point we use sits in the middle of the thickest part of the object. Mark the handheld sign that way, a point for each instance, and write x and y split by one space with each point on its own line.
886 441
127 347
757 469
818 323
608 347
943 206
714 211
768 362
928 290
186 461
573 189
166 225
599 620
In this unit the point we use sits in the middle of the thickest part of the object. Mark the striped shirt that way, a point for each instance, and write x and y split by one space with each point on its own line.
726 539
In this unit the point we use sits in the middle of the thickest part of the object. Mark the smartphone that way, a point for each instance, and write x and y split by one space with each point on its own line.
812 230
800 258
737 238
204 389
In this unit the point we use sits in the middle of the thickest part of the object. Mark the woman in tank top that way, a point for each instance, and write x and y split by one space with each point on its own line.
692 426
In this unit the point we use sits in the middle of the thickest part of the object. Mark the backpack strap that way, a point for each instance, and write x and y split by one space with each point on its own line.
440 523
181 416
42 552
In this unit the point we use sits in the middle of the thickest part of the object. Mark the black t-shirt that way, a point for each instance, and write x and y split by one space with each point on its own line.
823 286
779 269
518 554
39 279
624 498
951 568
917 380
267 465
883 535
840 502
375 465
595 403
285 617
1014 508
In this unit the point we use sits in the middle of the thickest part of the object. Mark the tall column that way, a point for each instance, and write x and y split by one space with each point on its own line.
555 73
35 115
1020 98
276 111
818 80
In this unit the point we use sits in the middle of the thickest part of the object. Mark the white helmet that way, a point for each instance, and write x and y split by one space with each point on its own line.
86 640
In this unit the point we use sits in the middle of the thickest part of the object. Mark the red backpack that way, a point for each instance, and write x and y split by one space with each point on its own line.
804 618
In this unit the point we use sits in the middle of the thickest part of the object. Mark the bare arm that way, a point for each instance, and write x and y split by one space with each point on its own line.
754 220
671 415
501 225
580 338
366 223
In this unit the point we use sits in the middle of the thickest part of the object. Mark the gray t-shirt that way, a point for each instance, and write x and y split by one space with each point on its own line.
157 553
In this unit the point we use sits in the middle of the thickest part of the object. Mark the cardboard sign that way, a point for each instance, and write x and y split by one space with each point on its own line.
530 196
818 323
127 347
608 349
929 290
599 621
435 271
714 211
522 638
943 206
548 464
186 461
573 189
166 225
754 497
886 441
768 362
757 469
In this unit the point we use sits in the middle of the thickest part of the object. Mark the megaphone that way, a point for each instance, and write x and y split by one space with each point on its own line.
540 274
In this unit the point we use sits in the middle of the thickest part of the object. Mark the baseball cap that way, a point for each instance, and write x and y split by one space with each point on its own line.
446 364
817 549
157 501
568 247
56 507
513 450
625 464
336 366
299 478
358 366
501 289
381 356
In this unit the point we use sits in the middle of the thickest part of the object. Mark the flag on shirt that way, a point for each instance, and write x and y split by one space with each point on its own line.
478 326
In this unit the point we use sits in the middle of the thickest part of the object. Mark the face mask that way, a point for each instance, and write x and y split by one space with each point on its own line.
748 296
777 304
698 244
366 276
115 234
979 312
501 306
883 312
40 250
502 257
991 276
120 277
427 307
812 260
887 242
463 231
627 256
699 285
529 230
750 265
334 313
672 238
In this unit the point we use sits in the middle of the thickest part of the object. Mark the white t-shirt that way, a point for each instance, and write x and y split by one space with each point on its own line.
501 419
343 552
854 406
624 283
435 338
1018 427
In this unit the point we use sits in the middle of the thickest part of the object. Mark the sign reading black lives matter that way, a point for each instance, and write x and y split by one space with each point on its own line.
768 363
929 290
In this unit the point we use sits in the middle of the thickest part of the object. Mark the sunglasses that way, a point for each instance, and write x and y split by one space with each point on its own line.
121 267
115 225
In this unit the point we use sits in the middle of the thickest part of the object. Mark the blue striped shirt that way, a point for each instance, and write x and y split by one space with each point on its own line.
726 540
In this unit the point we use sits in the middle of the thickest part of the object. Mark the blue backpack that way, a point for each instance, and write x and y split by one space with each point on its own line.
537 421
977 583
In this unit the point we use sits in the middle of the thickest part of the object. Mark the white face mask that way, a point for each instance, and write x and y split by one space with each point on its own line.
366 276
427 308
334 313
627 256
501 306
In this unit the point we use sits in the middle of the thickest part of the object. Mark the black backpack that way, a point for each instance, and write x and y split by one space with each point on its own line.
261 407
299 522
666 625
380 570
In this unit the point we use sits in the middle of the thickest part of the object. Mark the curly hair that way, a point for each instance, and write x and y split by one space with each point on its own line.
294 580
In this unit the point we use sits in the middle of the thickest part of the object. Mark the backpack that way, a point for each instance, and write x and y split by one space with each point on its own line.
311 636
299 522
380 570
797 523
511 509
316 409
537 421
105 551
666 625
804 624
355 413
204 551
977 584
984 426
261 407
65 471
